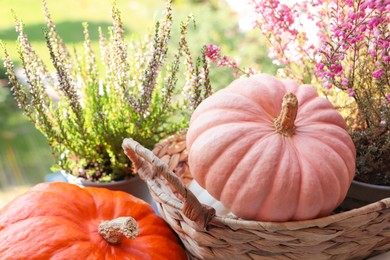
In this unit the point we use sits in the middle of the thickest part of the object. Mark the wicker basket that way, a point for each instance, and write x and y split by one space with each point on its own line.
354 234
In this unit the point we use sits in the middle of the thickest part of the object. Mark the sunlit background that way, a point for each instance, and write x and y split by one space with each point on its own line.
25 157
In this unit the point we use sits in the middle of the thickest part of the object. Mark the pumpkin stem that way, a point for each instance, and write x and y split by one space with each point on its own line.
284 123
113 231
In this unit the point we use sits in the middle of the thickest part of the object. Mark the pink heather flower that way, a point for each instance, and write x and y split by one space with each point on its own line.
352 15
372 52
320 66
344 82
363 28
336 68
350 92
374 22
349 2
388 97
377 73
213 52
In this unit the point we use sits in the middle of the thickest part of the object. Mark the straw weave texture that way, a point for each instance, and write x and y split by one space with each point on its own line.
354 234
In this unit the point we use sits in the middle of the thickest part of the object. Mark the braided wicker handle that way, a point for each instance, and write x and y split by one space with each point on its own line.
149 166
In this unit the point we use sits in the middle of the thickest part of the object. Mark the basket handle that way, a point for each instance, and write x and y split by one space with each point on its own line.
148 166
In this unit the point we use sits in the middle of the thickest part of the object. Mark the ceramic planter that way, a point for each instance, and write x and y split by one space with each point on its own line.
361 194
134 186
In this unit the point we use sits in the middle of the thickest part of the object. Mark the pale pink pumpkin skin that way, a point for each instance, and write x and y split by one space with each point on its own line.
236 154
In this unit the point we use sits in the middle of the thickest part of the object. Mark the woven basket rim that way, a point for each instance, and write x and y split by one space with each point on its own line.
147 162
295 225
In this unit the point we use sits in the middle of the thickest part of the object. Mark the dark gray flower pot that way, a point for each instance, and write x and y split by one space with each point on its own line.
134 186
361 194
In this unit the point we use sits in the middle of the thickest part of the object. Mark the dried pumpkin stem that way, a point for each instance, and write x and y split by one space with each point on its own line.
284 123
114 231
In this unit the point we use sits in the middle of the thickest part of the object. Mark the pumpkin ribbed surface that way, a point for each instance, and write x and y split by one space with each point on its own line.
260 172
61 220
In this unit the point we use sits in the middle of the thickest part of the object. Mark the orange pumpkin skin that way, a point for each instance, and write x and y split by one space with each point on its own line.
238 156
60 221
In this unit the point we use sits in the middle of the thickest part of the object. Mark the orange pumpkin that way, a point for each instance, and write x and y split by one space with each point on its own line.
271 150
64 221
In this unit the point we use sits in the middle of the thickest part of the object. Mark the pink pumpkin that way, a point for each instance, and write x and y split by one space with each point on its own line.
271 150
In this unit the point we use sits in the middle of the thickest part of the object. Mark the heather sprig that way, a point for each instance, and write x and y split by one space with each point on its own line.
93 100
161 38
214 54
196 74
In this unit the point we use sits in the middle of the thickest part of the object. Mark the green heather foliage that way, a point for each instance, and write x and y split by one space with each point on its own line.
91 102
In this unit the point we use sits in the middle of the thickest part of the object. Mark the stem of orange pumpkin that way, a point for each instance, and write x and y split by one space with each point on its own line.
114 231
284 123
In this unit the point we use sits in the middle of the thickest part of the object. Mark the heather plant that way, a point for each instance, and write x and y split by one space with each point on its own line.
343 47
91 102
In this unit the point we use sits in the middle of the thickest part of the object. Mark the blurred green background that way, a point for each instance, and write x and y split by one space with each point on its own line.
25 158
